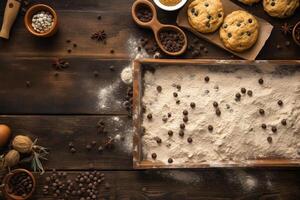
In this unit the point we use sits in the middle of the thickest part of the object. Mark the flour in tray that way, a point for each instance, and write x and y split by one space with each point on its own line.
237 134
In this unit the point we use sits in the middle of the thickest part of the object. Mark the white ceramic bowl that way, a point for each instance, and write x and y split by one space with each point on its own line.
170 8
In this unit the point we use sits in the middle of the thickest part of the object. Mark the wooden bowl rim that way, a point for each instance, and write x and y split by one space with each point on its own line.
34 9
8 177
294 33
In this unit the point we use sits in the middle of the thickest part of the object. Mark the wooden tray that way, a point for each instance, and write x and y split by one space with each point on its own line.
140 163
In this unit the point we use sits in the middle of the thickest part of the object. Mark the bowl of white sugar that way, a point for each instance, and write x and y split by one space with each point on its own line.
41 20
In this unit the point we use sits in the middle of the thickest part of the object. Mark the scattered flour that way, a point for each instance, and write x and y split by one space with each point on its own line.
106 94
182 176
126 75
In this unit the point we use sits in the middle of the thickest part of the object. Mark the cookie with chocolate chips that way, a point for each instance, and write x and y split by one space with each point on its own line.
280 8
206 16
239 31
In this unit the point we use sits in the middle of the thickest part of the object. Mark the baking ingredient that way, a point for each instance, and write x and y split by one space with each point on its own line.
126 75
286 28
5 134
23 144
12 158
170 2
42 22
144 13
99 36
234 134
171 40
20 185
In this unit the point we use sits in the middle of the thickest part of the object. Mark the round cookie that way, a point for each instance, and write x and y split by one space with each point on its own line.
205 16
239 31
280 8
249 2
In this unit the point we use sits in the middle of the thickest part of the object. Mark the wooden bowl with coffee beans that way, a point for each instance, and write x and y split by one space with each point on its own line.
19 184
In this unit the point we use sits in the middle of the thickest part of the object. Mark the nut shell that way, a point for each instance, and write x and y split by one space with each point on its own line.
22 144
12 158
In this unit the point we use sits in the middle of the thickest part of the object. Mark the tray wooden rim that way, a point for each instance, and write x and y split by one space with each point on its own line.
138 163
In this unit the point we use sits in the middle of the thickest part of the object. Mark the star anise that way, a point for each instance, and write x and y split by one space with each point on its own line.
60 64
99 36
286 28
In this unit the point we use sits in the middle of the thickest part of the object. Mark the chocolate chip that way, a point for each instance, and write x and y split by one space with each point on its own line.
154 156
220 15
269 139
170 160
261 81
185 112
238 24
272 3
178 102
238 96
280 103
170 133
248 33
283 122
149 116
164 118
181 133
218 112
193 105
158 140
210 128
243 90
229 35
261 111
225 26
175 94
185 119
274 129
189 140
178 87
182 126
206 4
215 104
169 115
250 20
250 93
206 79
159 88
263 126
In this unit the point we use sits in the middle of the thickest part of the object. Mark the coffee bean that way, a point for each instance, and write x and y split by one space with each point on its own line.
185 119
159 88
283 122
269 139
206 79
193 105
261 81
170 133
280 103
190 140
210 128
149 116
263 126
243 90
154 156
181 133
170 160
215 104
261 111
185 112
182 126
175 94
218 112
274 129
250 93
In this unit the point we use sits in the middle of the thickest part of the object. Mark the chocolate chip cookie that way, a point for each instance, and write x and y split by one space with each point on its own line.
206 16
249 2
280 8
239 31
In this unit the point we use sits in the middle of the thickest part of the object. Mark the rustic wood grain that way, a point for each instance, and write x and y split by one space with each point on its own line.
56 132
75 90
194 185
78 20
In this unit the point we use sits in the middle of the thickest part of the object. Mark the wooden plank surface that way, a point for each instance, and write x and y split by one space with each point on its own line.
192 185
76 89
56 132
78 20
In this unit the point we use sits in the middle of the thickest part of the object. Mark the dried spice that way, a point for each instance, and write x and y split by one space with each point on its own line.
20 185
99 36
60 64
286 28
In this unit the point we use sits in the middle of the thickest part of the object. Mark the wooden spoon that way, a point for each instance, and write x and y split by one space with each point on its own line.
10 15
156 26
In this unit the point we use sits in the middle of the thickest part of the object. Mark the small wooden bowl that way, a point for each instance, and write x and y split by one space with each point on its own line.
35 9
297 26
7 178
156 26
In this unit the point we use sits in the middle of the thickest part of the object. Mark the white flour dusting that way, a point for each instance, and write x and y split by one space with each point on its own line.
106 94
182 176
126 75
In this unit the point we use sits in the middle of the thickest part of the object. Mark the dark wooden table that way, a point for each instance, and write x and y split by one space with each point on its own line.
66 107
